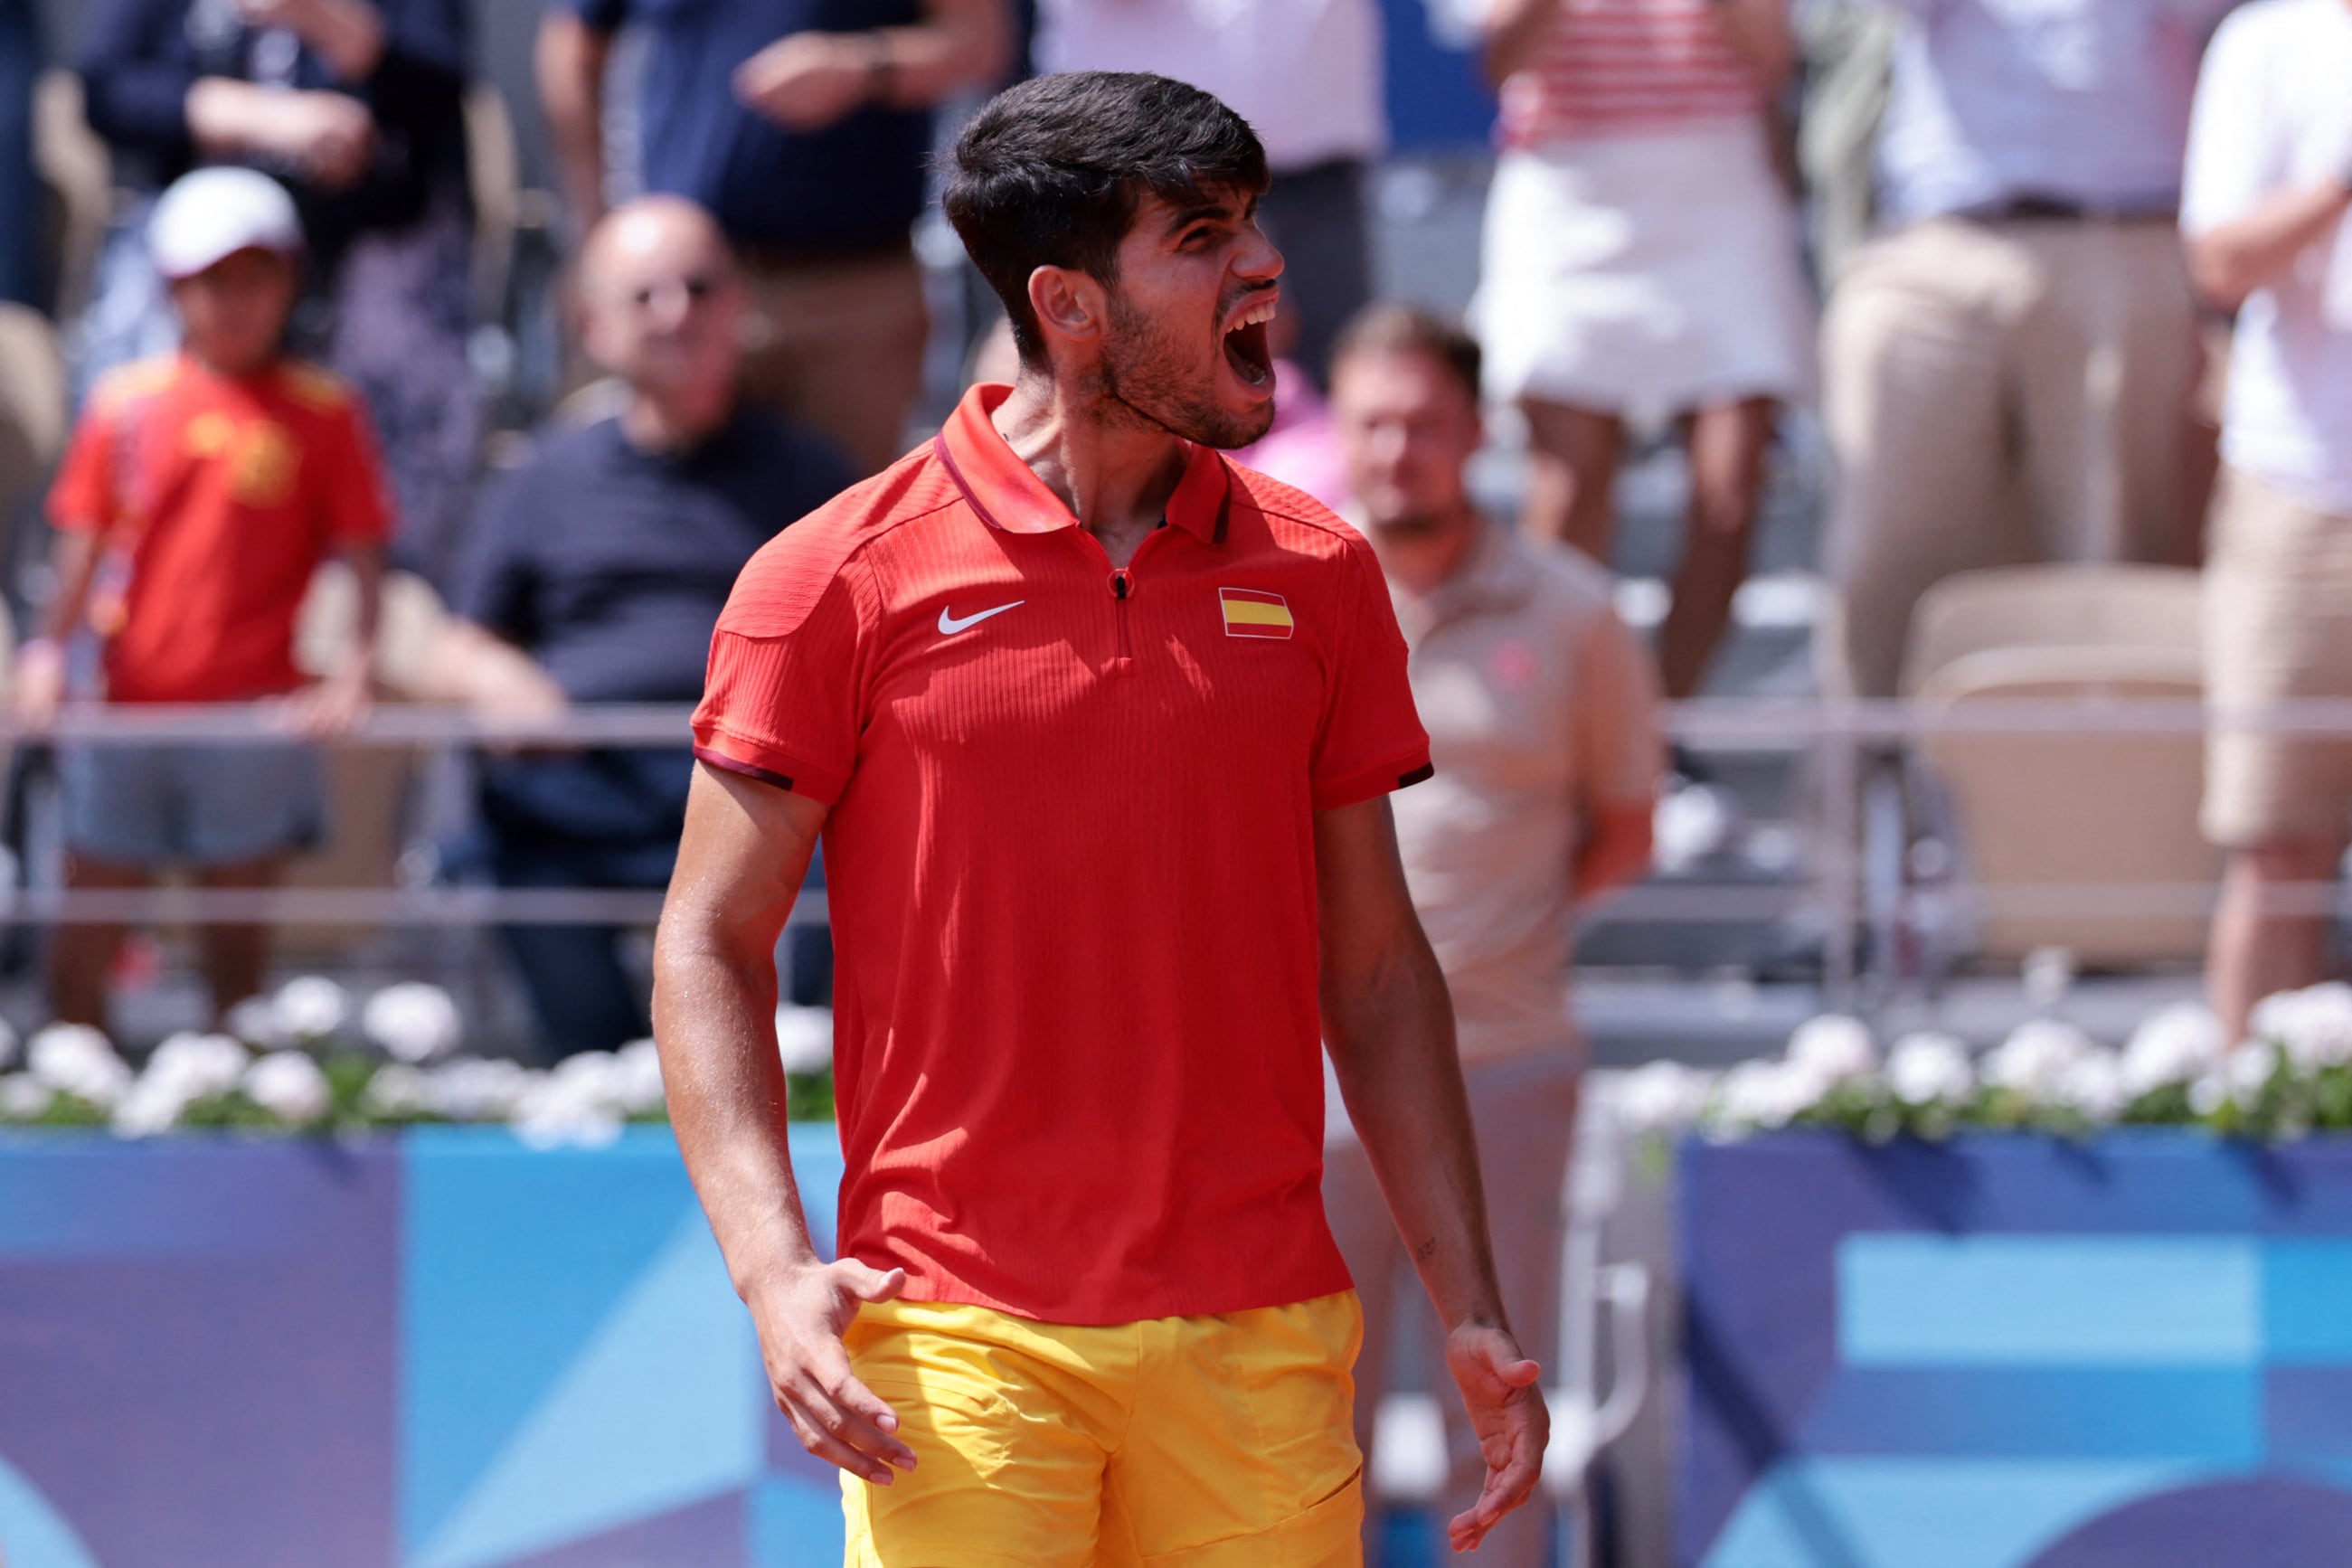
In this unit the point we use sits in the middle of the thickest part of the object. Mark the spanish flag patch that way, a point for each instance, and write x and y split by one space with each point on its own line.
1250 614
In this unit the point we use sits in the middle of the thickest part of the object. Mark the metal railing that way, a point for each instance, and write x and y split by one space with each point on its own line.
1841 737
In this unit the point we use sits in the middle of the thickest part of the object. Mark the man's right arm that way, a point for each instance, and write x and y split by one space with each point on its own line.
568 61
741 860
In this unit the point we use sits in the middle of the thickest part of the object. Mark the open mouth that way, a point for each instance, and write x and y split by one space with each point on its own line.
1246 349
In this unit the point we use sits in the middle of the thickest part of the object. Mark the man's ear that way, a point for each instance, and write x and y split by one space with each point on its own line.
1070 304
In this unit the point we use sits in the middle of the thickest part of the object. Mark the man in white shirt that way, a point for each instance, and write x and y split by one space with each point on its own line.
1306 74
2267 212
1542 714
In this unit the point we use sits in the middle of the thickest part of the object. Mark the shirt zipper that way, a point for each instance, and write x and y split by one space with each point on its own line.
1122 588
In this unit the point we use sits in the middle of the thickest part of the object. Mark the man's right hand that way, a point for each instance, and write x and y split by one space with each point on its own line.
801 1319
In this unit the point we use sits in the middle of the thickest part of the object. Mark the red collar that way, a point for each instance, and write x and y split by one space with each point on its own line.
1008 496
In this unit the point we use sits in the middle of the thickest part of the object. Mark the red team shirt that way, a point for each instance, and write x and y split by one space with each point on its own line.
217 499
1070 864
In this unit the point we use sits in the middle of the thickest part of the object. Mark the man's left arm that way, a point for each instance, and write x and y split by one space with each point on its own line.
1389 1025
805 81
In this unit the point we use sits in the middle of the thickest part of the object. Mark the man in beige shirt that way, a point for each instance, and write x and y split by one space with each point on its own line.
1542 714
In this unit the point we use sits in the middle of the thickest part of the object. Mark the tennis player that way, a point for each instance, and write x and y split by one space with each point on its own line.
1098 730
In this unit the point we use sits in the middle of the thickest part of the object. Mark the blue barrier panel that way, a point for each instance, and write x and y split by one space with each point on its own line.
2011 1352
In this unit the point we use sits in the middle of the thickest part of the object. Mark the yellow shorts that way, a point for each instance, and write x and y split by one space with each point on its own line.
1214 1442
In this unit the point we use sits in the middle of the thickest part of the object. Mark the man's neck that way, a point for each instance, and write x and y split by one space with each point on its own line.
1113 469
1421 554
652 423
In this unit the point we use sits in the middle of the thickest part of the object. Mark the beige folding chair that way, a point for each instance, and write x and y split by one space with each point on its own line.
368 787
2072 807
32 407
75 166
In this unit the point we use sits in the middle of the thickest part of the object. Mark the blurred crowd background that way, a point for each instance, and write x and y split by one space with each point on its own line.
1859 342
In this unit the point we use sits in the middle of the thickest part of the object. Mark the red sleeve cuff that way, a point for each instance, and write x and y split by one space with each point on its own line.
1366 782
724 749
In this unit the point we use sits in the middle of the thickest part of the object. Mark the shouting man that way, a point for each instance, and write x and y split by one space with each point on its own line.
1098 728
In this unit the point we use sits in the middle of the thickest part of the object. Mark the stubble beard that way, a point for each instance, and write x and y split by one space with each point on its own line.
1139 379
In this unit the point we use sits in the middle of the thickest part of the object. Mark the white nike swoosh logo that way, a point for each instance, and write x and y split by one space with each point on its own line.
950 625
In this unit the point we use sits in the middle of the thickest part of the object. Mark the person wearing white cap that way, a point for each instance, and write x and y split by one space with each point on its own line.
201 491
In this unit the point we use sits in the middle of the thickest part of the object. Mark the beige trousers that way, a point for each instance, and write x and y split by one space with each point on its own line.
2000 393
2278 626
838 345
1524 1111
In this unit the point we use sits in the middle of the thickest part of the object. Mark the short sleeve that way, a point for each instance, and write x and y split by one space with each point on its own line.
354 492
497 576
1371 739
783 697
2236 156
82 498
601 16
1620 753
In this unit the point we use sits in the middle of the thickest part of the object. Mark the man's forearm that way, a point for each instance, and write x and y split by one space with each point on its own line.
569 64
714 1013
2236 259
1392 1045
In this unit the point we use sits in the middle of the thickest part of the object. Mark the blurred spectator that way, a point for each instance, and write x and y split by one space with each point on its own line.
2268 215
802 125
1543 723
199 495
1306 74
22 217
1642 258
357 106
2008 373
595 574
1302 447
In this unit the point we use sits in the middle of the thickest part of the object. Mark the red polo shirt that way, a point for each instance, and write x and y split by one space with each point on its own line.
1071 866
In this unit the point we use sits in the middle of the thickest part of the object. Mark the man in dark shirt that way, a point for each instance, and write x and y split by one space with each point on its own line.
597 569
802 126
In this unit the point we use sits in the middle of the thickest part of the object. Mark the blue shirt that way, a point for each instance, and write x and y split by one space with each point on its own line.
855 185
2083 101
610 565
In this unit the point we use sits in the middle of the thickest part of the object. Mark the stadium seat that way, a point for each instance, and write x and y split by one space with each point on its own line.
32 409
2077 807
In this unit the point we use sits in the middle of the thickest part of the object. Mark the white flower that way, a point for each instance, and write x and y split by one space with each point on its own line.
193 1066
413 1021
7 1043
2173 1045
151 1107
572 1110
398 1089
312 1007
1833 1048
1930 1069
255 1021
2249 1068
1688 825
75 1059
638 1088
23 1097
2092 1084
2209 1094
804 1037
290 1085
2035 1056
1765 1094
479 1089
2314 1026
1660 1097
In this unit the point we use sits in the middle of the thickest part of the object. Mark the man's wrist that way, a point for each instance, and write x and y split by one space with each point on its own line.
880 65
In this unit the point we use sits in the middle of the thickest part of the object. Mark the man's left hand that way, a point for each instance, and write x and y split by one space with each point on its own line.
807 80
1506 1411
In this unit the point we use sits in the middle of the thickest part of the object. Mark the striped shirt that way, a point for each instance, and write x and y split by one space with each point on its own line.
1615 66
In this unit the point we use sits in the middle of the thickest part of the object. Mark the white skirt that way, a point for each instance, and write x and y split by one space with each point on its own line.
1643 275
